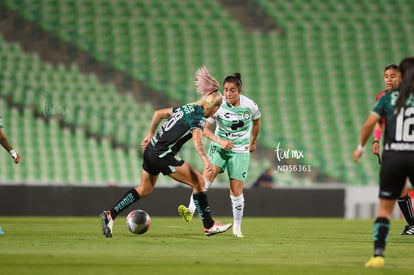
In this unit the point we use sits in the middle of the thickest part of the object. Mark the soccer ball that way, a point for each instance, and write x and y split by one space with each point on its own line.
138 221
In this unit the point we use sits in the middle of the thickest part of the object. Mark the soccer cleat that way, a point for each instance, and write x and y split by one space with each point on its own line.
376 261
107 223
217 228
408 230
1 231
185 213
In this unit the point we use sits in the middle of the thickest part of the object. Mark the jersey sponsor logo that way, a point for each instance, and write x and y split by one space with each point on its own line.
237 124
245 115
395 146
234 135
385 194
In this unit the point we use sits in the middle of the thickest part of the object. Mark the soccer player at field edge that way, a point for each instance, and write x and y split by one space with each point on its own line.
237 128
397 107
6 145
392 78
161 150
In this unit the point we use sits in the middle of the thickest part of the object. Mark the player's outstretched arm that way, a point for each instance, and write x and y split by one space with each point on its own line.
199 147
155 121
208 133
6 145
366 131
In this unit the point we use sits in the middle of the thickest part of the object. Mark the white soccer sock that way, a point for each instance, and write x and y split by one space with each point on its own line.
207 183
191 205
237 204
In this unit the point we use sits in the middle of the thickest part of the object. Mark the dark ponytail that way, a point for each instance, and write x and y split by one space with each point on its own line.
234 78
406 84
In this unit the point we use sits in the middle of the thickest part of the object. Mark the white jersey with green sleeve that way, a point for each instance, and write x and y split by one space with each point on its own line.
235 123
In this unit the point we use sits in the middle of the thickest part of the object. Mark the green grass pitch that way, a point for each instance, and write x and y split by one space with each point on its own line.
73 245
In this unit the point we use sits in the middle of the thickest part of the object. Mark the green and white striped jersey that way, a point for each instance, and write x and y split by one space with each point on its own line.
235 123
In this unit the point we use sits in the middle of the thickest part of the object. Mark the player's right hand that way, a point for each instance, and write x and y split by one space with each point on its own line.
146 141
356 155
226 144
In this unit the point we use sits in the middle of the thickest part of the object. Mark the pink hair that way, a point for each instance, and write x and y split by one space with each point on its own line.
205 83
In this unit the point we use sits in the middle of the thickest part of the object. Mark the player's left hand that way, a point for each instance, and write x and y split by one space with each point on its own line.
375 147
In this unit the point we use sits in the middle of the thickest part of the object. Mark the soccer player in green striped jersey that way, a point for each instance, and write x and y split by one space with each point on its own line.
237 128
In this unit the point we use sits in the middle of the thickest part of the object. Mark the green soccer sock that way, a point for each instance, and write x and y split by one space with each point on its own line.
380 235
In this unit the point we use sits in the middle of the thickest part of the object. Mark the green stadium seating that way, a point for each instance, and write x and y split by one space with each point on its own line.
51 154
315 84
63 93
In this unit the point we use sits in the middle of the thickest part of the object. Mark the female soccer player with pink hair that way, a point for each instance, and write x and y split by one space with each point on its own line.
161 153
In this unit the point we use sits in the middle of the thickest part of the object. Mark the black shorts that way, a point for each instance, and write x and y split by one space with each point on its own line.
396 167
154 165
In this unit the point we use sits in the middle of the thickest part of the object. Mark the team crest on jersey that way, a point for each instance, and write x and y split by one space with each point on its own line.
246 115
